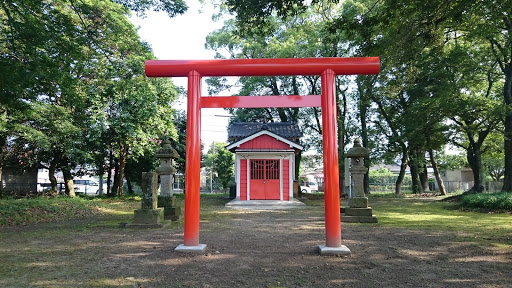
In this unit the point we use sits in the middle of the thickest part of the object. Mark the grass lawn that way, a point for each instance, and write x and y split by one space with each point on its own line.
480 228
414 213
63 242
404 212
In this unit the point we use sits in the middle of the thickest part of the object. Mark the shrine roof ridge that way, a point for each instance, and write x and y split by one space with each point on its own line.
288 130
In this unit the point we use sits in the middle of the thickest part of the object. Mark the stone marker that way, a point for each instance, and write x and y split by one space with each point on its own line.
149 215
358 211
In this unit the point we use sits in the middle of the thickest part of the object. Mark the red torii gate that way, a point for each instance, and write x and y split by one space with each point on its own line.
327 68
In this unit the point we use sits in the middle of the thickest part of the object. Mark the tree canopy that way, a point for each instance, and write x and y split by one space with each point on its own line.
73 95
446 72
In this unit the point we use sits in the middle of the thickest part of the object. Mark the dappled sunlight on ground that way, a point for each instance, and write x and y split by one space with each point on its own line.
141 244
420 255
120 281
114 211
481 259
261 249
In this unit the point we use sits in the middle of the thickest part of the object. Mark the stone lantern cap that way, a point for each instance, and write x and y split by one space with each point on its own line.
167 151
357 151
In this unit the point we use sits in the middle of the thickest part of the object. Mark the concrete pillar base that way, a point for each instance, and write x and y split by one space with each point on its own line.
191 249
336 251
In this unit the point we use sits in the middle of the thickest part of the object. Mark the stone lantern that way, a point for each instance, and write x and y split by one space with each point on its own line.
166 154
358 211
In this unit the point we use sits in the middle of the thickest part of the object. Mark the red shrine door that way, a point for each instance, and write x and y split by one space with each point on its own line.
265 184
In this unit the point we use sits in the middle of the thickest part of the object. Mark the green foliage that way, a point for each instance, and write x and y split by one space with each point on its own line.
256 14
384 177
493 156
296 37
496 201
382 171
26 211
179 143
171 7
73 88
451 161
222 162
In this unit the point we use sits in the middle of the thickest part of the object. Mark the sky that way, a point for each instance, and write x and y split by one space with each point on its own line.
183 38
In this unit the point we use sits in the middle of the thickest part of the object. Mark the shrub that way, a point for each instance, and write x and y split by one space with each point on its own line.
495 201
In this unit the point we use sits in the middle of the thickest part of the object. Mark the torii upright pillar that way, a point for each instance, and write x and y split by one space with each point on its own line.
327 68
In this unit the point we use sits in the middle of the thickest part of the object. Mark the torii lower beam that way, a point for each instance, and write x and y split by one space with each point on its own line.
327 68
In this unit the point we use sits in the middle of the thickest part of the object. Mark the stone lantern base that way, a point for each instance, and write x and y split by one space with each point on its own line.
147 218
172 211
358 211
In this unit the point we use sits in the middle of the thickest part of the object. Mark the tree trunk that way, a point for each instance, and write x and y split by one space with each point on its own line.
100 187
401 174
364 103
439 180
413 166
507 93
51 175
130 186
318 122
341 147
3 150
3 147
298 158
68 182
423 176
123 153
110 168
101 172
474 157
115 181
364 139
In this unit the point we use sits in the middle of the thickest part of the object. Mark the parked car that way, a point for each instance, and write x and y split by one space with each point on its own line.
305 189
86 186
313 185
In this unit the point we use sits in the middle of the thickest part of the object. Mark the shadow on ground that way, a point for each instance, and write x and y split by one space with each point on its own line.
245 249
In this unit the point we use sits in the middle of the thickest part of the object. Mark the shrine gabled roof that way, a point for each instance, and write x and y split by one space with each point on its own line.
287 130
236 144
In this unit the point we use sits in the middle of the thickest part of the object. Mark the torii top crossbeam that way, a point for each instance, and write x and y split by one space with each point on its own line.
327 68
263 67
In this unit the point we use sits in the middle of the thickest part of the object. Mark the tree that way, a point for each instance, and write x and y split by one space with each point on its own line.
299 36
493 155
221 162
171 7
65 58
433 61
179 143
492 22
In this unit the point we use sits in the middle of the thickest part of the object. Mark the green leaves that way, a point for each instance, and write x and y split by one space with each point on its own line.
73 82
221 161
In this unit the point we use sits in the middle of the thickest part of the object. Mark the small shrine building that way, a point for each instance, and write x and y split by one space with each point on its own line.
264 159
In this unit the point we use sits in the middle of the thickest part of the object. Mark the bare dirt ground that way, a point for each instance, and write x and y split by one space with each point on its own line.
245 249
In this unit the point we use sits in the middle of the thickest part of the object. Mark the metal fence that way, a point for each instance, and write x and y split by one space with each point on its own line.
387 184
